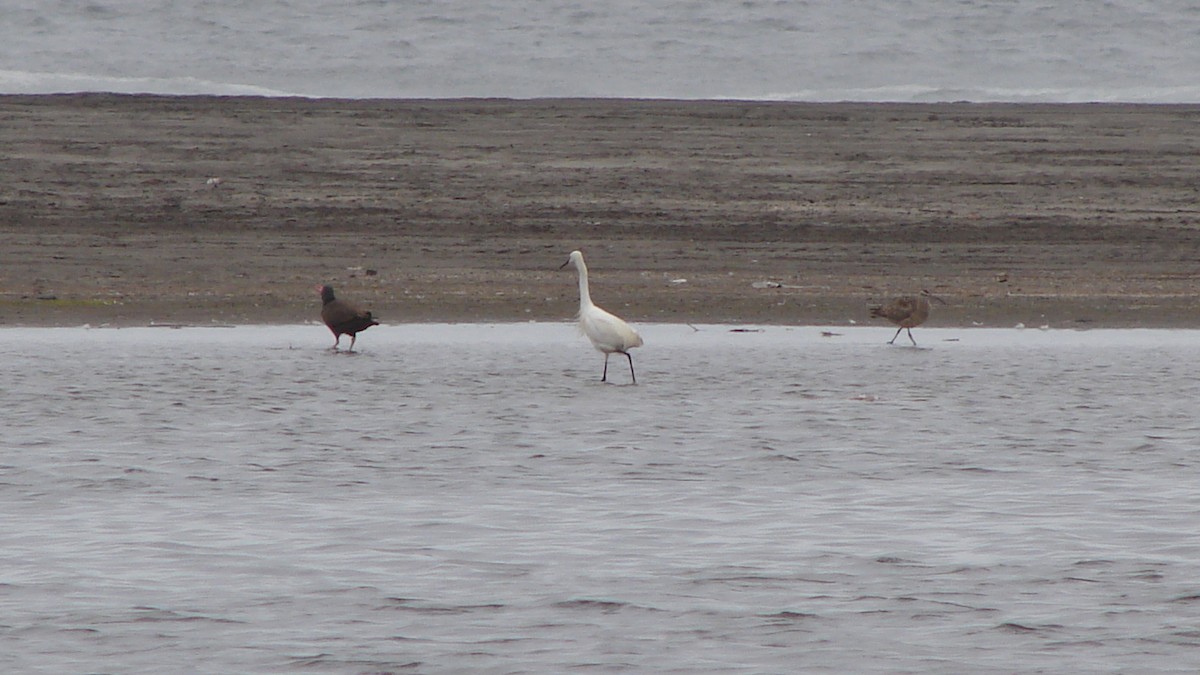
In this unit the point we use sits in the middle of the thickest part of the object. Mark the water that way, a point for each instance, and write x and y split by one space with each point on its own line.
818 50
470 498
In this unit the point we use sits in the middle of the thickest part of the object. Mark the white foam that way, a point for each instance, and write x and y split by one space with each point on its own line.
28 82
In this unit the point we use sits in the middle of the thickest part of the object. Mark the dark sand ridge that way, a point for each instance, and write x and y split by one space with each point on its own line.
462 210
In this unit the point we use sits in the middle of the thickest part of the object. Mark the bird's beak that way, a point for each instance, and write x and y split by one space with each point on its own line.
931 295
565 264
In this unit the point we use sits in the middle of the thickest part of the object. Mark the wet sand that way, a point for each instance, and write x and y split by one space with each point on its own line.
129 210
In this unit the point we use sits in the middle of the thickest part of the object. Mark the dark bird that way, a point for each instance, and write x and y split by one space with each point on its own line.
343 318
906 311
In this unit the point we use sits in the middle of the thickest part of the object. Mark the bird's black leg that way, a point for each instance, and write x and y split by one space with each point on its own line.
893 340
631 367
604 377
353 337
910 337
337 340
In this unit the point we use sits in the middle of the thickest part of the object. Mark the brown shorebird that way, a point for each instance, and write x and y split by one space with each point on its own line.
342 318
906 311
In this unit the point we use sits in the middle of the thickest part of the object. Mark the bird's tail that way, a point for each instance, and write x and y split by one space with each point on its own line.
876 312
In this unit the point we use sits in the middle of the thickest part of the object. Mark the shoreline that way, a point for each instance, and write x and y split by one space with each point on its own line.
772 213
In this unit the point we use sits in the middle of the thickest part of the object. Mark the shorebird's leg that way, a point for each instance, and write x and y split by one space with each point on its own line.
630 357
353 338
893 340
910 337
604 377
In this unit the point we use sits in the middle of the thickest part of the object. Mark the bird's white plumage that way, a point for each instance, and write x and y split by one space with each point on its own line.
607 332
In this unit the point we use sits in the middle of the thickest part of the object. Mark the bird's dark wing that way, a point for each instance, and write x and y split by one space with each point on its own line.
338 312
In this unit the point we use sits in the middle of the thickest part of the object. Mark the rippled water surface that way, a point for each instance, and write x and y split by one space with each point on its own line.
815 50
472 498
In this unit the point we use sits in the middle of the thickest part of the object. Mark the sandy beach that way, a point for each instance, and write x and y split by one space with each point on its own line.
130 210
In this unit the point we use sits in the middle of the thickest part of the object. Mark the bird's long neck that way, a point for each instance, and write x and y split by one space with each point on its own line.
585 298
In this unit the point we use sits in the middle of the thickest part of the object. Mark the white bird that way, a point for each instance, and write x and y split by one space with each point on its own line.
607 332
